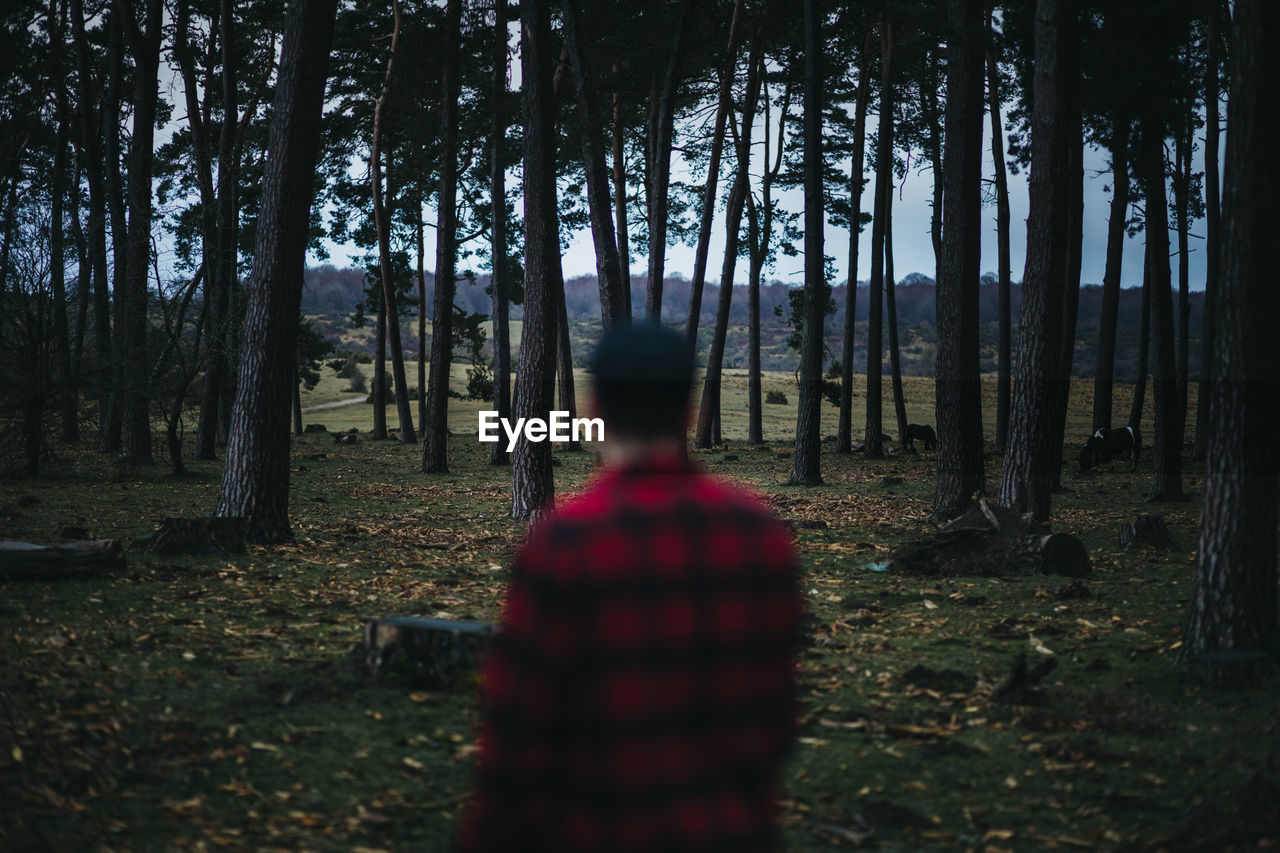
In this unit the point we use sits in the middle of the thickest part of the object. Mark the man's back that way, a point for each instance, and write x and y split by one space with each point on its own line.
639 697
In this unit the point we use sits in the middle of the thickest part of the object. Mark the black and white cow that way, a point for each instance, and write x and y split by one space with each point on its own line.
1107 444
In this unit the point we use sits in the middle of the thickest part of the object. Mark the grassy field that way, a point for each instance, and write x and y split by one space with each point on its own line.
211 703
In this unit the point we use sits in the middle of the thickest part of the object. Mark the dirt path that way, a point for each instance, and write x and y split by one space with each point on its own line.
333 405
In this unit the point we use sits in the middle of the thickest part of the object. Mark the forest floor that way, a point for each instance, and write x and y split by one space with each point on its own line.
200 703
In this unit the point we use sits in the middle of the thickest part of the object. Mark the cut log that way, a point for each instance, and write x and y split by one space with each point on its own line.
28 561
1146 530
197 536
432 652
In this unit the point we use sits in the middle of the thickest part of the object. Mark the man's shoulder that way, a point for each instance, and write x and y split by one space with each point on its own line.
691 491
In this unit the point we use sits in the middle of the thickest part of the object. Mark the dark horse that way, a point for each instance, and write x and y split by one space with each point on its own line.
1107 444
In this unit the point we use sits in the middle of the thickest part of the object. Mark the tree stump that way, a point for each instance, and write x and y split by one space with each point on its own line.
1146 530
427 651
197 536
28 561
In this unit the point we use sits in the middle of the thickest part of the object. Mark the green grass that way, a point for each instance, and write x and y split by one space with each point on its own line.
198 703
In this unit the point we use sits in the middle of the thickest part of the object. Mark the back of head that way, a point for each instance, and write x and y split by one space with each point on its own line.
643 375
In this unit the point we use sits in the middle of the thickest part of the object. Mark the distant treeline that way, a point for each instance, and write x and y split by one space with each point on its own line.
335 292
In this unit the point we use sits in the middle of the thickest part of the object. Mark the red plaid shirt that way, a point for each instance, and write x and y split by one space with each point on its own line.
639 694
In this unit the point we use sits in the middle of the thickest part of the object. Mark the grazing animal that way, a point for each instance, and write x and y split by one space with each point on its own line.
1107 444
922 432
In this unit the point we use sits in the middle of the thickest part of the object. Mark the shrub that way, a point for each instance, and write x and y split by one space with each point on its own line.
776 397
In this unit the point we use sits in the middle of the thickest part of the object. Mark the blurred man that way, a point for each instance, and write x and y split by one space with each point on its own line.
639 696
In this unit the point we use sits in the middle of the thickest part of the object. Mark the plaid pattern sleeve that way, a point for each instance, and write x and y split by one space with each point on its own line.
639 695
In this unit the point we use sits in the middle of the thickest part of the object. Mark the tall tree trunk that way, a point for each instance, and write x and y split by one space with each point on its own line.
380 366
532 488
568 401
435 432
114 175
857 180
1031 454
1071 288
709 407
612 310
620 197
419 225
1170 417
1183 148
1004 270
1213 239
891 317
723 107
958 369
1234 603
67 393
297 406
1144 347
873 436
500 277
382 224
806 468
661 128
1104 375
91 131
255 480
929 112
145 46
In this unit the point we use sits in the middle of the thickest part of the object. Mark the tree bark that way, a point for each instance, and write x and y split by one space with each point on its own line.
1104 374
620 198
380 366
1213 238
1004 271
1234 601
255 480
1071 288
145 46
91 130
67 393
109 440
873 435
857 180
806 469
929 112
1031 454
419 225
500 270
891 317
382 224
435 432
723 106
1144 348
532 487
958 370
612 309
1169 416
661 128
709 406
1183 147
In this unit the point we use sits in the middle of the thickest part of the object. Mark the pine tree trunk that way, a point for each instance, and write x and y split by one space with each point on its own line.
806 469
1031 454
929 86
620 198
297 407
532 487
435 431
709 407
67 394
136 417
91 131
1104 374
723 107
1212 239
1234 602
382 224
109 440
844 431
958 369
500 270
661 129
380 366
1169 416
1004 271
1144 348
566 398
1183 146
1071 289
419 225
873 435
755 415
891 317
255 480
612 310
